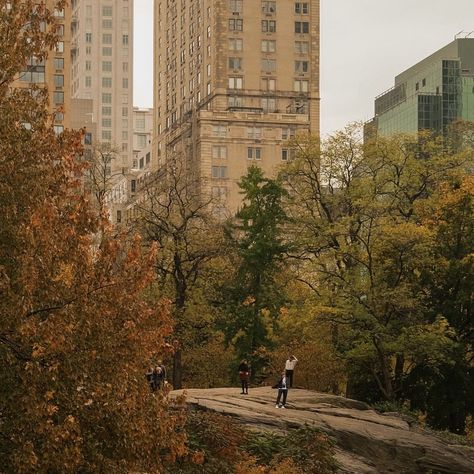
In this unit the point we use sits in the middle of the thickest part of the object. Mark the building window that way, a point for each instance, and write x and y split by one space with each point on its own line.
301 86
268 6
301 47
125 40
219 152
107 66
141 141
254 153
107 82
88 37
88 65
58 97
107 24
301 66
60 47
106 110
235 101
236 24
34 73
58 129
106 51
106 135
269 26
219 130
107 38
268 84
88 81
107 122
268 46
268 65
268 104
219 172
119 216
125 82
106 98
219 192
301 8
301 27
106 10
254 132
235 82
140 123
235 6
235 44
124 111
58 63
235 63
287 154
287 133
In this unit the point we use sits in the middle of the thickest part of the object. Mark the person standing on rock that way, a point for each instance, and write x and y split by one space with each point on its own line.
289 369
282 387
244 374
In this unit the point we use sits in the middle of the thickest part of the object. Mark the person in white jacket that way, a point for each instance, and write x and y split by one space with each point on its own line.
289 369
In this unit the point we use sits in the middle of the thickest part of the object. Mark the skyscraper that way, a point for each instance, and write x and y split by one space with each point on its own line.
431 94
102 69
234 79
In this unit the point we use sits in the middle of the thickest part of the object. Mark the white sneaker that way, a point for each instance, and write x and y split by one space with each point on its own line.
277 406
283 406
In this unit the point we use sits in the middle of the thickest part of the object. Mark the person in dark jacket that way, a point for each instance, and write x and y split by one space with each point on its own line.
244 375
282 387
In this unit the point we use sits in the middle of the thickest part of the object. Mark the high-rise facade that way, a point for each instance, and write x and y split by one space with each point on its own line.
54 72
102 70
431 94
234 80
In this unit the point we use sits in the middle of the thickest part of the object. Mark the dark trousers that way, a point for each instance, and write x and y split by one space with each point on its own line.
289 377
282 392
245 385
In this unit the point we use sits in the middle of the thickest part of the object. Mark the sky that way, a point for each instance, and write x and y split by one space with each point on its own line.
364 45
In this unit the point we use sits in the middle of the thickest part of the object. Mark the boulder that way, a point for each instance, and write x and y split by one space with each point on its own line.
366 441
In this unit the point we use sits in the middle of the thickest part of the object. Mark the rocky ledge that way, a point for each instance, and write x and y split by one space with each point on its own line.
367 441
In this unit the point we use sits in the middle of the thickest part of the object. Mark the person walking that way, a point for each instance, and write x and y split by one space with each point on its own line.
289 369
244 374
282 391
157 378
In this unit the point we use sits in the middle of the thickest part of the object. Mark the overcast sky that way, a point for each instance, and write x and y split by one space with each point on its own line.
364 45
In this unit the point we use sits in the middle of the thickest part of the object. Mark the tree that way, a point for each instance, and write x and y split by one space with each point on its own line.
362 248
175 217
254 297
446 394
100 175
72 341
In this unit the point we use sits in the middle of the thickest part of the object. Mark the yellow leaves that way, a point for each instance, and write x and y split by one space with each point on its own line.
65 274
52 409
250 300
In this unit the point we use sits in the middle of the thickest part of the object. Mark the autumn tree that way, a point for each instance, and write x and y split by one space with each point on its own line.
363 248
253 298
175 216
446 394
75 330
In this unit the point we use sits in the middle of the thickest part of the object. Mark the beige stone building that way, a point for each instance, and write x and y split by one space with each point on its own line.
142 132
234 80
54 71
102 70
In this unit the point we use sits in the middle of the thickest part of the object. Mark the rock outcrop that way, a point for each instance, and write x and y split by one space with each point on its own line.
367 441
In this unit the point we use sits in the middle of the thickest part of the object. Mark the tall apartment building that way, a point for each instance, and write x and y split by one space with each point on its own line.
54 71
234 79
431 94
102 69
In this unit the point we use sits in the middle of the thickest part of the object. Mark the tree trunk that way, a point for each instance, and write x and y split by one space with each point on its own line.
177 369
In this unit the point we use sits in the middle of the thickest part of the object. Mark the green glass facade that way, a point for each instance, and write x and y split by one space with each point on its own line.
431 94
